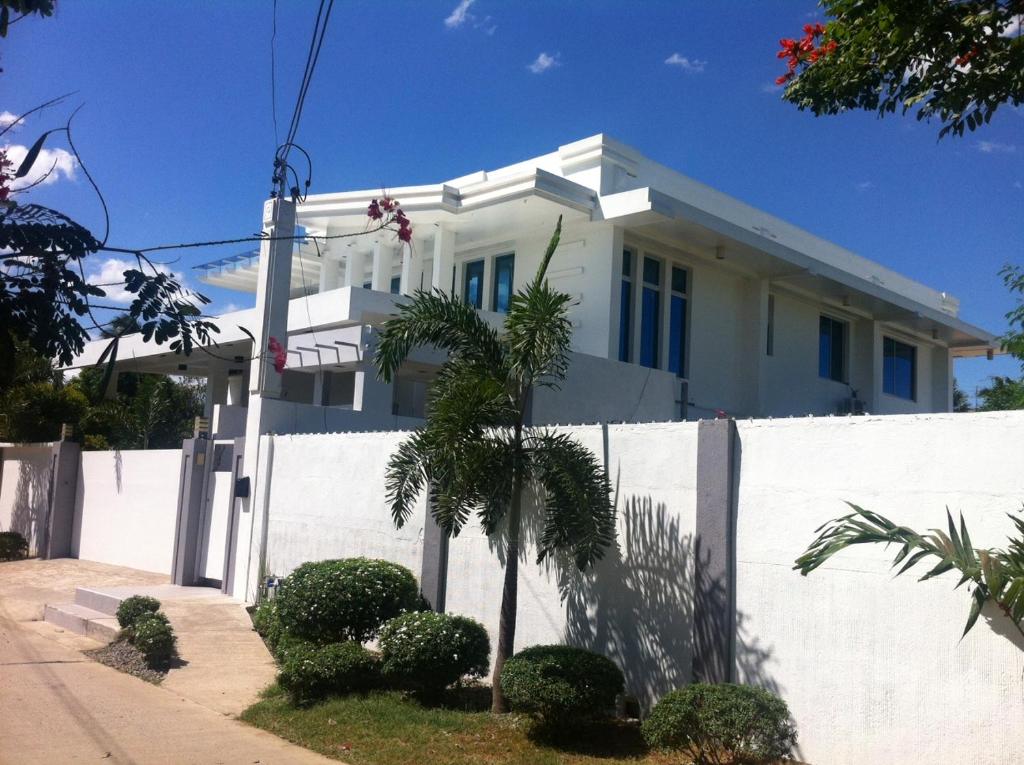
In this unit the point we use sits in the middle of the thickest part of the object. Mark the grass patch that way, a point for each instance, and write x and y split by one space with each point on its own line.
387 728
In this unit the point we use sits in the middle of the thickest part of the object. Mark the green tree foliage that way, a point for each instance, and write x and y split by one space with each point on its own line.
1001 394
477 453
960 401
1013 339
995 575
956 61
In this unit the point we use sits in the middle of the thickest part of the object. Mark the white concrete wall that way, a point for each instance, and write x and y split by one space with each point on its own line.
327 501
873 667
637 605
24 491
126 508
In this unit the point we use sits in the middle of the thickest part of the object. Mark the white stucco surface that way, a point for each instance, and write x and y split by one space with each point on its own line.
872 667
327 500
126 508
24 491
636 606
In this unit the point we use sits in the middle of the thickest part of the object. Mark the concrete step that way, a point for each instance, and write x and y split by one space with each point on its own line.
82 620
98 600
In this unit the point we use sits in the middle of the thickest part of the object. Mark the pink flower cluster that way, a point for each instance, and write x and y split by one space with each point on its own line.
389 212
803 51
280 354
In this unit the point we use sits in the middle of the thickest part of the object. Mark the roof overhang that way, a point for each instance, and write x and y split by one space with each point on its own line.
773 249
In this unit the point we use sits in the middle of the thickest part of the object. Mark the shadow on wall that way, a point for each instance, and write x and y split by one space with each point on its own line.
32 503
636 605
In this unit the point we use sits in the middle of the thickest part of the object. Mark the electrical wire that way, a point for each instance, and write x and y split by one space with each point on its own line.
273 77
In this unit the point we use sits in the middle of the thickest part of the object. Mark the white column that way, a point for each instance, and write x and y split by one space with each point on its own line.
444 258
383 257
355 267
412 267
236 390
216 391
330 271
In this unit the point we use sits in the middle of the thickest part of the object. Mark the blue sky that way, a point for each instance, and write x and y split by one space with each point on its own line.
177 125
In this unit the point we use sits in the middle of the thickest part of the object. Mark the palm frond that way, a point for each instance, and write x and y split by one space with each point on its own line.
578 512
995 575
439 320
537 329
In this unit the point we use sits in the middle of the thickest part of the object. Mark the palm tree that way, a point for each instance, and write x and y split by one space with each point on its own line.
477 452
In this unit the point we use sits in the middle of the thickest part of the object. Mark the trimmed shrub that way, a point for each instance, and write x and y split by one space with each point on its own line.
267 623
13 545
152 634
559 682
332 601
132 608
427 651
311 672
722 724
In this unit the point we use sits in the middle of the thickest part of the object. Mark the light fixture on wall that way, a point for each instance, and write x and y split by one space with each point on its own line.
719 252
846 300
935 333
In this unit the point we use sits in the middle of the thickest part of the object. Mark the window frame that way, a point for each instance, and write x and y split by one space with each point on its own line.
890 390
466 266
511 258
844 360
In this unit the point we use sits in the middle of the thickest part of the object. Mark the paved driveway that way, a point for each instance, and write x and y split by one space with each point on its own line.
57 706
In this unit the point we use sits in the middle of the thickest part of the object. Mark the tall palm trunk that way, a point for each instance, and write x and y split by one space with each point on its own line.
510 589
509 600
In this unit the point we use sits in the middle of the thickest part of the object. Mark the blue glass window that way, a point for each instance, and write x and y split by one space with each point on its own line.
832 349
473 291
626 307
899 368
677 323
396 285
650 313
504 271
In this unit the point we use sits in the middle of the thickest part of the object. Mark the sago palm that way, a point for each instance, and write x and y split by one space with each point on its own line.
477 454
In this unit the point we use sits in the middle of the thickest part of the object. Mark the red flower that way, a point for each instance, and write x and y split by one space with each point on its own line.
783 78
405 234
373 211
280 354
388 204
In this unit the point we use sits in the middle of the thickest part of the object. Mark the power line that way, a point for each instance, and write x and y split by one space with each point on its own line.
273 77
316 41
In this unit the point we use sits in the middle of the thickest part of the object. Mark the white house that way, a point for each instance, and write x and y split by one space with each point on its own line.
688 303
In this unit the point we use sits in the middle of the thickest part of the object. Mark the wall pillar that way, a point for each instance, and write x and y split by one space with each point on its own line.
383 258
714 611
444 259
216 391
63 495
195 459
434 571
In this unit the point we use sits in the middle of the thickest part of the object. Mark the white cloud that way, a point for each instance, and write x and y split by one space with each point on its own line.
543 62
7 119
1014 28
865 186
994 147
57 162
691 65
109 276
460 15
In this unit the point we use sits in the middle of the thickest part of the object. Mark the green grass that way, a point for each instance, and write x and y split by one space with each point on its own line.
387 729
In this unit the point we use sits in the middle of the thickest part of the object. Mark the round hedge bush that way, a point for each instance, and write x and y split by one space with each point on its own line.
267 623
311 672
722 723
13 545
427 651
132 608
152 634
332 601
559 681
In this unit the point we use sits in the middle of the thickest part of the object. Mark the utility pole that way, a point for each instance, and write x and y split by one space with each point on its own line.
273 290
